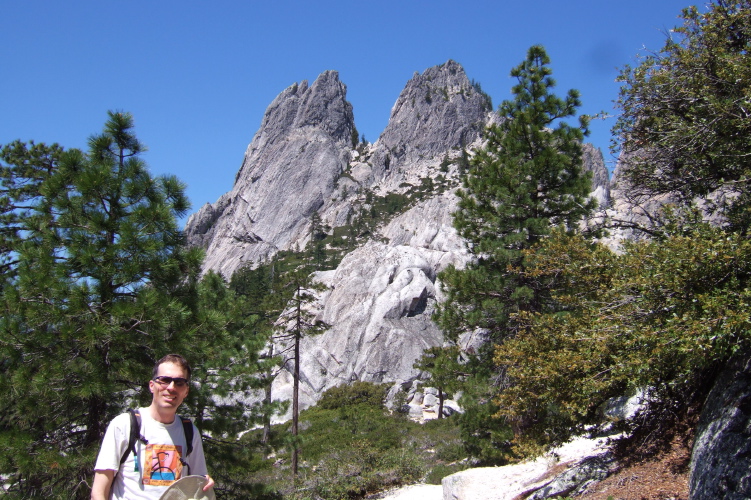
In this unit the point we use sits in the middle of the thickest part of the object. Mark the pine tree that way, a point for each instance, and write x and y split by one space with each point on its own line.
95 272
256 288
296 322
445 370
27 167
227 337
526 180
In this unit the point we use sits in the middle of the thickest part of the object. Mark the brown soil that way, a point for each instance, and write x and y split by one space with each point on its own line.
662 478
659 474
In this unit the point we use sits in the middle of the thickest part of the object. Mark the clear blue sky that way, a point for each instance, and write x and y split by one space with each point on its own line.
198 75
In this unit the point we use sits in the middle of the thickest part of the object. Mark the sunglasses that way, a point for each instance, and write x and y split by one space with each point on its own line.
165 381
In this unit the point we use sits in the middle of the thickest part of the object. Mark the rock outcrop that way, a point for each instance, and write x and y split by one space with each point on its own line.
595 164
722 447
583 460
438 110
632 212
303 161
638 212
379 303
290 169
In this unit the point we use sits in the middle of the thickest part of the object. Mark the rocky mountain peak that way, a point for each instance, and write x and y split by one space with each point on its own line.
322 107
290 168
438 110
382 293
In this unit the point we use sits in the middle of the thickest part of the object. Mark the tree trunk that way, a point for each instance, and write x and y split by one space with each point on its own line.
296 387
267 402
440 402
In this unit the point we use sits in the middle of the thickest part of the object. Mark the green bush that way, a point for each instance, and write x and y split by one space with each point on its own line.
356 393
676 309
361 469
439 471
355 447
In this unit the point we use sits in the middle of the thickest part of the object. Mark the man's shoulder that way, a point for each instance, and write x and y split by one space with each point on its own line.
121 420
124 417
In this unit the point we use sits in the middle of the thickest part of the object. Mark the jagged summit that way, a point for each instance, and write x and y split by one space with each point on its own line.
438 110
304 146
289 169
304 160
322 107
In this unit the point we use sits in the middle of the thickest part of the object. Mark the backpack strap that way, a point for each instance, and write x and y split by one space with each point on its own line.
135 435
188 431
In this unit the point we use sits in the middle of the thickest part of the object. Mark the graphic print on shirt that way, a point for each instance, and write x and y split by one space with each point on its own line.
163 465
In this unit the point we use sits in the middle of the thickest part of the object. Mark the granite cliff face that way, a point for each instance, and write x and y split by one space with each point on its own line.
719 462
379 303
437 110
290 169
380 298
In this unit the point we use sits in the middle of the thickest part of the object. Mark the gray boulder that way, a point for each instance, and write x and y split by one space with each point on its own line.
577 478
451 408
721 458
415 411
584 457
430 400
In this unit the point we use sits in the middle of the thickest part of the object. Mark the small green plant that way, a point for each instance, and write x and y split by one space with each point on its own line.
439 471
444 167
353 394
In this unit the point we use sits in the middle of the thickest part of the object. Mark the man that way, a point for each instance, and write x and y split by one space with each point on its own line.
160 458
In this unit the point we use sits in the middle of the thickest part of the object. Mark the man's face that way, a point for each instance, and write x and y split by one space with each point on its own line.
169 396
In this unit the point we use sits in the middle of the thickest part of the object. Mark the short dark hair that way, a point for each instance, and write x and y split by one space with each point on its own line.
172 358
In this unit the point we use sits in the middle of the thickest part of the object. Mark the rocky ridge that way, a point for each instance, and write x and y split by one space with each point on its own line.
304 160
438 110
290 169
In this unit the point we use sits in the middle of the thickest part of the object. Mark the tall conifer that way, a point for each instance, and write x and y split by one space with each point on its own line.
98 285
527 179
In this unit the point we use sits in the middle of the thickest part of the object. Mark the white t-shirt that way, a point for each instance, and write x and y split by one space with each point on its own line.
158 461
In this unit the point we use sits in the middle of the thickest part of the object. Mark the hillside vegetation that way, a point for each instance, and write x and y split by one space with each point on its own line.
98 282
